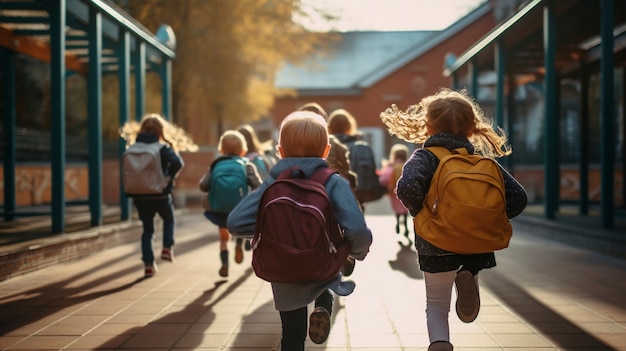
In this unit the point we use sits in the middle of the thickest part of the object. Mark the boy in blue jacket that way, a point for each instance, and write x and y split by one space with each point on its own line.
303 142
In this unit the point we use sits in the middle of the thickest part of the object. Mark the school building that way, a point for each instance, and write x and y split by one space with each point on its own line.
550 72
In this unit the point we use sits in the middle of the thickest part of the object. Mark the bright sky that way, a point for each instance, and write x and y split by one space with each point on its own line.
391 15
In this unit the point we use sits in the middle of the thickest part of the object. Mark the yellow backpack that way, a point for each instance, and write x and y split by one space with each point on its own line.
465 208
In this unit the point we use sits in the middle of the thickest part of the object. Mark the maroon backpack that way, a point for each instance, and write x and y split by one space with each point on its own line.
297 238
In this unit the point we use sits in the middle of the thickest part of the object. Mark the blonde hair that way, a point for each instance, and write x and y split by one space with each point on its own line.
398 152
154 124
303 134
341 121
232 143
447 111
314 107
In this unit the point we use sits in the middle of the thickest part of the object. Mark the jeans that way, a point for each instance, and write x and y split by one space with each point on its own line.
147 209
295 323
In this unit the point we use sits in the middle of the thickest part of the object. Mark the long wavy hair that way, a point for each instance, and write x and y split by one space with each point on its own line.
168 132
447 111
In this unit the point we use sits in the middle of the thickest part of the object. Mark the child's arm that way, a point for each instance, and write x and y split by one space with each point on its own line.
204 183
349 216
241 220
254 179
516 197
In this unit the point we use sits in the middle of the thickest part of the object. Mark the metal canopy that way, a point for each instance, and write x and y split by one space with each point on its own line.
577 33
25 28
90 37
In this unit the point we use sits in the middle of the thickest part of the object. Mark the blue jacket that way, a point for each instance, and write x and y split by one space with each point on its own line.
242 219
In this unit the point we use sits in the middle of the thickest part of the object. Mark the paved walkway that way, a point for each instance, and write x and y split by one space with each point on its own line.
544 295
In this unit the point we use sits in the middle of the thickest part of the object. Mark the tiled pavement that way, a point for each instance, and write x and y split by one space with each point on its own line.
543 295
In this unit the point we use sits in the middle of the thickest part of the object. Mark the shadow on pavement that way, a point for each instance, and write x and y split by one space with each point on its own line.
25 307
406 261
561 332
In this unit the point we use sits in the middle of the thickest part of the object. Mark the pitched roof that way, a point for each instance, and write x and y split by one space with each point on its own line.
349 60
363 58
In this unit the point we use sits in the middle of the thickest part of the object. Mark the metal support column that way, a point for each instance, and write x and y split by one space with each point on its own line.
607 115
473 79
583 165
9 126
140 79
124 109
57 112
551 134
165 70
500 66
94 120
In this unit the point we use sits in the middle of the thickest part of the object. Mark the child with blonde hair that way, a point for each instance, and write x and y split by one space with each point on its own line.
449 119
303 143
226 181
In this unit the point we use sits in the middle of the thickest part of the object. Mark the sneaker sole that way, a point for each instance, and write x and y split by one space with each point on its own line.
319 325
468 298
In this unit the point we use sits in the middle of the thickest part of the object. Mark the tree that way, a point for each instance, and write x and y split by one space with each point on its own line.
227 55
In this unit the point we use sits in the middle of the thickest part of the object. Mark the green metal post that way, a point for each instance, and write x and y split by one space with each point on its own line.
584 140
9 125
473 79
57 112
607 116
500 66
124 110
140 79
551 135
165 71
94 121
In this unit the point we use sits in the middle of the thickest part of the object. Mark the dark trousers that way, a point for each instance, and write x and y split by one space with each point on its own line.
295 323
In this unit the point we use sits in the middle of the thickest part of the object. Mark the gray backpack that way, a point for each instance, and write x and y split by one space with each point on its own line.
142 172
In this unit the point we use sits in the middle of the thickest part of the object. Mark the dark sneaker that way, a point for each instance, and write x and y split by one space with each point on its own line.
440 346
238 254
150 270
167 254
319 325
467 296
224 271
247 245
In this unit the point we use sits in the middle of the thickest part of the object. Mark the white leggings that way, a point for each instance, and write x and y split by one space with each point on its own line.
438 295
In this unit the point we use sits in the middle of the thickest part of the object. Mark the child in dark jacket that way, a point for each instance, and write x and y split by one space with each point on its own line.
231 144
151 131
303 142
450 119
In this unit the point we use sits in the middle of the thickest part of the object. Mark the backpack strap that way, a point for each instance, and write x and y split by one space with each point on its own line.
440 152
322 175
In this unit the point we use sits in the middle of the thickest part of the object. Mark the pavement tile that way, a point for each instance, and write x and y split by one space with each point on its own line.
529 302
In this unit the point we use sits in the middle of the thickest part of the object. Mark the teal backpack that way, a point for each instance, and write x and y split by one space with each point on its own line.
229 183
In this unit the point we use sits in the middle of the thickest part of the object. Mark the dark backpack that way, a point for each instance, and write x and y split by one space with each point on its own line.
363 163
229 183
297 238
142 171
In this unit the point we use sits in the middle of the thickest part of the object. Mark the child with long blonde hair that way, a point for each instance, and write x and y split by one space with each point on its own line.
450 119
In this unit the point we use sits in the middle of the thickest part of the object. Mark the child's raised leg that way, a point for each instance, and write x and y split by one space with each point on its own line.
319 322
